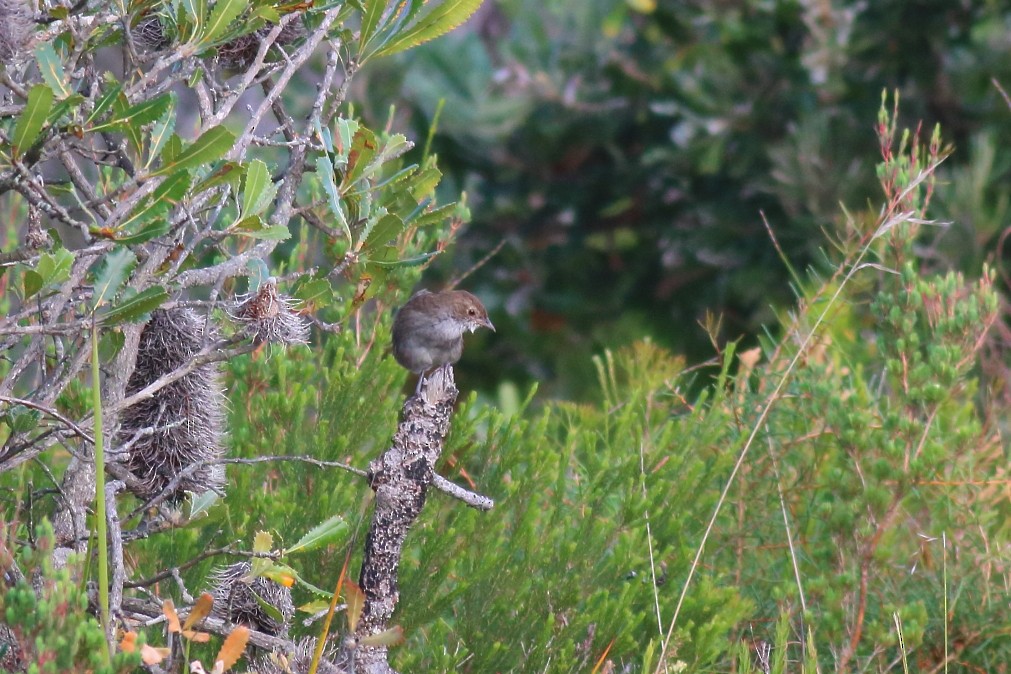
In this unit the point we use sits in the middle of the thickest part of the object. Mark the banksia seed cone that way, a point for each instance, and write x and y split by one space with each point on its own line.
240 52
235 600
182 424
267 317
297 662
149 33
17 28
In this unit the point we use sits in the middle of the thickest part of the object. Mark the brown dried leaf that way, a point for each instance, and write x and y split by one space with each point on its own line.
393 636
150 655
169 609
128 644
197 637
201 609
233 647
355 599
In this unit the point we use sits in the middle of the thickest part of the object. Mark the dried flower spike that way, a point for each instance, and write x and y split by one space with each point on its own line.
267 316
235 599
182 425
297 662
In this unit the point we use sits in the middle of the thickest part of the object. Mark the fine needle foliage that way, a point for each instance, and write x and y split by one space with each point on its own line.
870 492
830 501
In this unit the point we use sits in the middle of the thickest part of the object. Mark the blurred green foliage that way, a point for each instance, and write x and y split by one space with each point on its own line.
49 629
627 151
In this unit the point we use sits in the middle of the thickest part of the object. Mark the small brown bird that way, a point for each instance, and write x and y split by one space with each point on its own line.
428 329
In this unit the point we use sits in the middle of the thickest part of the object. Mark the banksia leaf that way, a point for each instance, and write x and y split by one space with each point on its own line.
234 646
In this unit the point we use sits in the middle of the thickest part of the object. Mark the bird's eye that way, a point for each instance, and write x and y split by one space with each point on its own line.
472 311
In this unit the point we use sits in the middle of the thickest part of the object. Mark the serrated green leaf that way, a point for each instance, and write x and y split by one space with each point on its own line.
254 228
320 535
51 69
262 542
372 12
132 133
310 290
346 130
326 174
136 116
54 268
105 101
406 262
222 16
395 146
134 306
383 231
201 503
173 148
165 196
117 265
438 21
423 184
258 190
210 146
33 117
434 216
161 131
152 230
229 172
32 282
364 146
267 607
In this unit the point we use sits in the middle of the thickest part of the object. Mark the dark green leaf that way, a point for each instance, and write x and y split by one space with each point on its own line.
407 262
51 69
54 268
311 290
106 100
117 265
434 216
32 282
326 175
438 21
222 16
40 100
363 149
387 228
138 115
152 230
209 147
258 190
134 306
161 131
320 535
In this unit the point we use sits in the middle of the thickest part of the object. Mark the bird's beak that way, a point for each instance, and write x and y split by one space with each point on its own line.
487 323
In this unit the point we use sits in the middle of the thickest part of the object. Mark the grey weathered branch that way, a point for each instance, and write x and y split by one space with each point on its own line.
400 478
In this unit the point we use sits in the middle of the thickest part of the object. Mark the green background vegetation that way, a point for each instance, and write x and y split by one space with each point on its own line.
625 152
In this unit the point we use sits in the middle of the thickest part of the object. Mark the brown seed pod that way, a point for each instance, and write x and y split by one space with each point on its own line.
235 599
266 316
17 28
182 424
